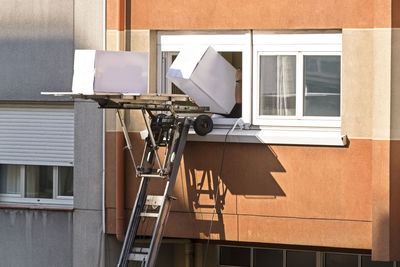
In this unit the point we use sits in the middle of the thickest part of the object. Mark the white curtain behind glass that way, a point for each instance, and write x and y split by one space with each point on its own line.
286 85
278 85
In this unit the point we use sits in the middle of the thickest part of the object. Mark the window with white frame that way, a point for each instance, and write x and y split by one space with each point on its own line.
36 184
297 79
36 154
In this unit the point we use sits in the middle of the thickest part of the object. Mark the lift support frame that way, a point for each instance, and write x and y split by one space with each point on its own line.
164 130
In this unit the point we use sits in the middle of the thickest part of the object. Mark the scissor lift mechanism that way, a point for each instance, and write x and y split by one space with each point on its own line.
169 130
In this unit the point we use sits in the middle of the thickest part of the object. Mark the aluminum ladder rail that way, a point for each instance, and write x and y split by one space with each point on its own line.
174 135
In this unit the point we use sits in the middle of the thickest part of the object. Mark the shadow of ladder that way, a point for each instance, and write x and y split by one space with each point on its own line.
214 189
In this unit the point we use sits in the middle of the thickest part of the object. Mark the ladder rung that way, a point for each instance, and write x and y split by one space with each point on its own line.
140 250
149 214
137 256
153 176
154 200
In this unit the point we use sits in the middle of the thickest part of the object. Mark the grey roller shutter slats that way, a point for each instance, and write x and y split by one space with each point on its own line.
37 136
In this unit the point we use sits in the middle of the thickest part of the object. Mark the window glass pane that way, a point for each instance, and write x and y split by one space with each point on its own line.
174 88
300 259
321 85
39 181
65 181
9 179
235 59
278 85
366 262
268 258
234 256
341 260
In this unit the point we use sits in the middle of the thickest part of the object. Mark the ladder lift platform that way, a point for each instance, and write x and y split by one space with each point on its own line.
169 130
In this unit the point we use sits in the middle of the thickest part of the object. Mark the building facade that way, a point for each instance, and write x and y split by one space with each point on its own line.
310 179
315 166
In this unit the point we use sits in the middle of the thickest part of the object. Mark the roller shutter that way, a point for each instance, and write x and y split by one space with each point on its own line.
37 135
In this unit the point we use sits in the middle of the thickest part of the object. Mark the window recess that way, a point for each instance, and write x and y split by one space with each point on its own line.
235 47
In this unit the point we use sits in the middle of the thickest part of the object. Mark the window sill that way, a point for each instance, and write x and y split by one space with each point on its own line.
277 136
34 207
36 203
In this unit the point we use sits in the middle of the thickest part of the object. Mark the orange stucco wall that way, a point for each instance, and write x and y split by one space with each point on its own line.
256 14
316 196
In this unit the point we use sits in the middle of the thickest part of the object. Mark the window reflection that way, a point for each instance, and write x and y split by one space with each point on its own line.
321 85
39 181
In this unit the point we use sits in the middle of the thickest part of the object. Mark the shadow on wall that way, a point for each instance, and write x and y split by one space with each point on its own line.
247 170
381 236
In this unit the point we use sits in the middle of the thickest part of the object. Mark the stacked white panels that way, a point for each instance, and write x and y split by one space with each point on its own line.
205 76
110 72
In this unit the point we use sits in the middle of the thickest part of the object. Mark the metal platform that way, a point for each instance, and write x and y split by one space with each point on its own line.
156 102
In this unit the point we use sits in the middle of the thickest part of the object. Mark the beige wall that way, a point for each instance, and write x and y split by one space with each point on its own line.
357 82
366 84
371 98
371 83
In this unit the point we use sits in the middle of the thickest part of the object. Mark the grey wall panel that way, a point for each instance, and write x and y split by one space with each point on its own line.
36 48
112 250
88 240
35 238
89 24
88 156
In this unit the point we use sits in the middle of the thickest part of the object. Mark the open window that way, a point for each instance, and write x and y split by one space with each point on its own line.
234 47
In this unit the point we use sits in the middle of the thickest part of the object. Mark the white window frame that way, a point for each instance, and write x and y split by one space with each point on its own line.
166 86
299 45
221 41
56 200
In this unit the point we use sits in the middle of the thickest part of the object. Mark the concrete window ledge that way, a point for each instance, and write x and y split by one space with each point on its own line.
35 207
328 137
